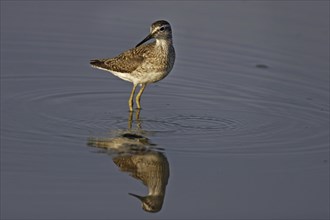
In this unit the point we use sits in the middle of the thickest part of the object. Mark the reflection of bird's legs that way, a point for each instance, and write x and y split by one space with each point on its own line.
138 96
130 101
130 120
137 118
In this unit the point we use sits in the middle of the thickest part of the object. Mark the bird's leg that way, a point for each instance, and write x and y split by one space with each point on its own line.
130 101
138 96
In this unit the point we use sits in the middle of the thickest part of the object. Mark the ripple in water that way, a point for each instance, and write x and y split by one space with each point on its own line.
72 114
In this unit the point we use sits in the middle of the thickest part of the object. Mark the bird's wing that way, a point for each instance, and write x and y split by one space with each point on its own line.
125 62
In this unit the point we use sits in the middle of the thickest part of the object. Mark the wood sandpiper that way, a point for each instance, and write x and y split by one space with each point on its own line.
144 64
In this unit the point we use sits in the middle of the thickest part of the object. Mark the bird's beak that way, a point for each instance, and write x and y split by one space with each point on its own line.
145 39
137 196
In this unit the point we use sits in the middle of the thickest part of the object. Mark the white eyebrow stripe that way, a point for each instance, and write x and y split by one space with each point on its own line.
165 25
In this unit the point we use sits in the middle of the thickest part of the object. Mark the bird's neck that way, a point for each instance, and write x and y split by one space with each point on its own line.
164 43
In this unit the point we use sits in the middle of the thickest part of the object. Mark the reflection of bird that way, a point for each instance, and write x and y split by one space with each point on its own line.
143 64
152 169
133 154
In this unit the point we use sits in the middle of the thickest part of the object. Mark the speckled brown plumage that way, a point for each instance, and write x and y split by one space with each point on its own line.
126 62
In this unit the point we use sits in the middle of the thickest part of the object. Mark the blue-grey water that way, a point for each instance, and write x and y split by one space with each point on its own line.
240 126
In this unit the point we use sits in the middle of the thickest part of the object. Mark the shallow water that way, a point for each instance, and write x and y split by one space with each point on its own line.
242 120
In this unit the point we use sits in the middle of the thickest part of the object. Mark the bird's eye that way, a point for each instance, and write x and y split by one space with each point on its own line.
162 29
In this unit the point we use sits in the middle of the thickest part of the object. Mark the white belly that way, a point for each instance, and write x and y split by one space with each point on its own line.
141 78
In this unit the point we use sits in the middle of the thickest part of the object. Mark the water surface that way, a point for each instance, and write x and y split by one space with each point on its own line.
242 120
